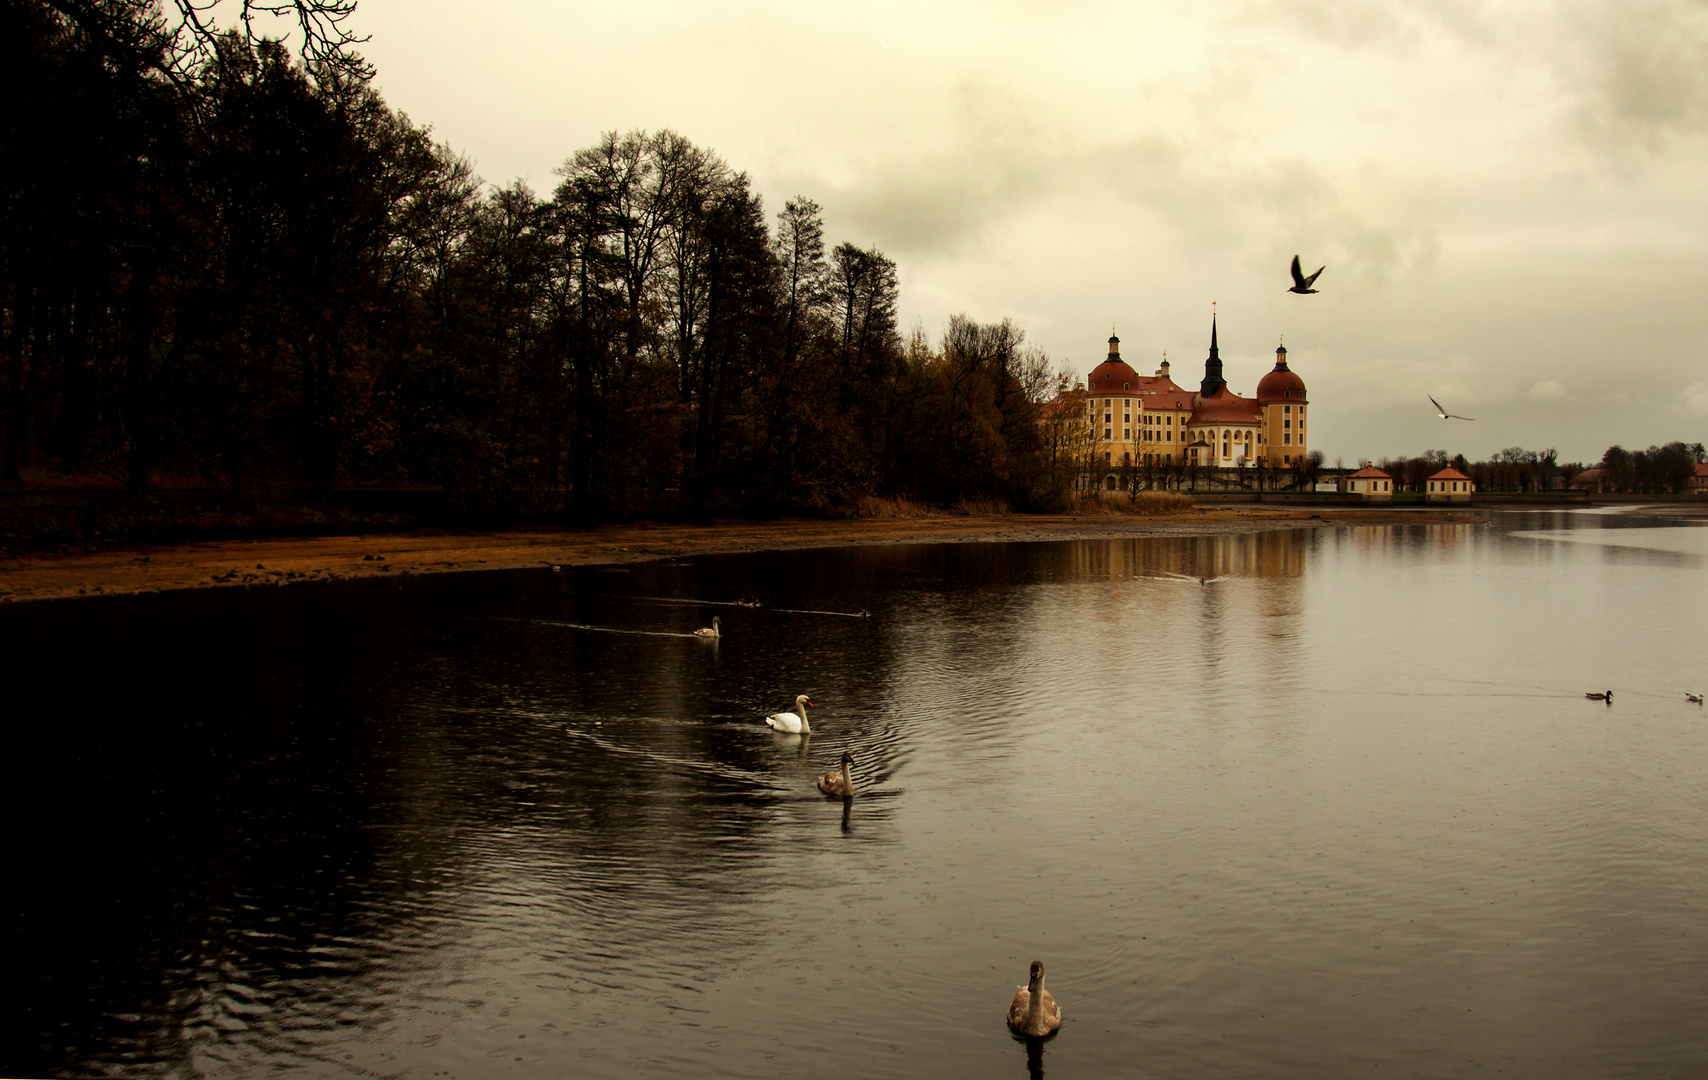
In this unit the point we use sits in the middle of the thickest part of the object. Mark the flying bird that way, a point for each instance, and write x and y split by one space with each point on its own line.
1445 415
1301 283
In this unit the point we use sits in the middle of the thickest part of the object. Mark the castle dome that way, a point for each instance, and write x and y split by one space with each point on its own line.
1281 384
1114 375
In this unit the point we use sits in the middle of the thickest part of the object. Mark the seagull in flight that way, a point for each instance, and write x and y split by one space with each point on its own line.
1301 283
1445 415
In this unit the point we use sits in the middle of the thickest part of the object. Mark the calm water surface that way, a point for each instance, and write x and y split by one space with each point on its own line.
1341 809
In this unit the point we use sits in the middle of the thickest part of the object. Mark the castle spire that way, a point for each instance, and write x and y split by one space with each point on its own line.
1213 380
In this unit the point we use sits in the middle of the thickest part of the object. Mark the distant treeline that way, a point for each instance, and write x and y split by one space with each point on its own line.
1658 469
222 265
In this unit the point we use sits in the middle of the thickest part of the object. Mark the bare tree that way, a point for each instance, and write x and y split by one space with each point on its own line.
177 39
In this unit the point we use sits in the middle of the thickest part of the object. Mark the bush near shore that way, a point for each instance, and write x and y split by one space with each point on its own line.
1100 504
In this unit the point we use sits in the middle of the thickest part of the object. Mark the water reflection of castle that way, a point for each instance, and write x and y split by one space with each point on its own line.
1132 419
1277 554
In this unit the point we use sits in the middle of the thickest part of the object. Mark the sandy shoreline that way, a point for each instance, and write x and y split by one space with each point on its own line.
238 563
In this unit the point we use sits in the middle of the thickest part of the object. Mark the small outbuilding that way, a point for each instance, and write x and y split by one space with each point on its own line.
1449 485
1370 482
1699 479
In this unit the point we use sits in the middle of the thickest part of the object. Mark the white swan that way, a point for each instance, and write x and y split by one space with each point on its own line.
839 784
710 631
1033 1012
793 723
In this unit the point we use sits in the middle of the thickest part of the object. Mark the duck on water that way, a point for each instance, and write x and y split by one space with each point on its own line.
1033 1012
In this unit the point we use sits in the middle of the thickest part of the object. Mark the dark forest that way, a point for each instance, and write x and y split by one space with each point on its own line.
225 266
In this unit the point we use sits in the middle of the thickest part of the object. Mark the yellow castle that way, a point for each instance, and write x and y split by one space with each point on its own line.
1149 419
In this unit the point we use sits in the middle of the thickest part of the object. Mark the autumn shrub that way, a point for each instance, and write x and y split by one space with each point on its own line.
879 506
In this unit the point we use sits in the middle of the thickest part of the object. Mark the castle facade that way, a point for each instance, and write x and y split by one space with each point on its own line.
1149 419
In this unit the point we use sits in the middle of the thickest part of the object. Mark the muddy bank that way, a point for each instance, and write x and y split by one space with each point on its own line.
282 561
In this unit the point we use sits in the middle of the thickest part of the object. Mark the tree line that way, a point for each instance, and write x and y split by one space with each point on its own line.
225 265
1658 469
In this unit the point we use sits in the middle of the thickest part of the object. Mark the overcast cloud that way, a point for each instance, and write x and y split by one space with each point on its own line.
1509 197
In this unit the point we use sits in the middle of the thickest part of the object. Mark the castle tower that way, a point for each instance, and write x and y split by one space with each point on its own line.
1213 380
1281 399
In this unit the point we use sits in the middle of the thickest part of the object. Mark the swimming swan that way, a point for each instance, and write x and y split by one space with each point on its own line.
710 631
792 723
1033 1012
839 784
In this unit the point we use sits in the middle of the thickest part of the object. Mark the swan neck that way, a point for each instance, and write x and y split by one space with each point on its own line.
847 781
1035 1007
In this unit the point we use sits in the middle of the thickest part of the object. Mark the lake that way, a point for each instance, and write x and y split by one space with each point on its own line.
1305 803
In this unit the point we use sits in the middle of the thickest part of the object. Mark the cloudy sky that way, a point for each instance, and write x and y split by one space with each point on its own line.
1511 198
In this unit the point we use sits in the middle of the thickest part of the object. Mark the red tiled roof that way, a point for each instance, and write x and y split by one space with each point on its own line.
1449 474
1701 469
1370 472
1049 410
1224 407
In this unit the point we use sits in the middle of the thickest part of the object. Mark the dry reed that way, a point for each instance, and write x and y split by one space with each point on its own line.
1122 502
878 506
